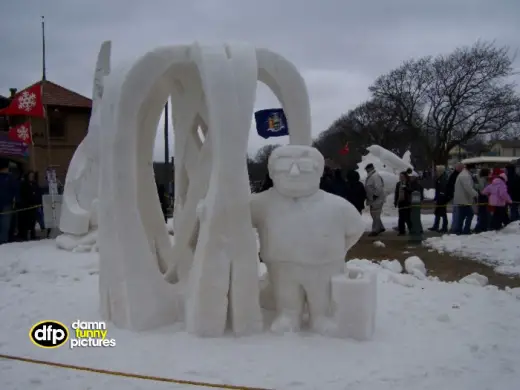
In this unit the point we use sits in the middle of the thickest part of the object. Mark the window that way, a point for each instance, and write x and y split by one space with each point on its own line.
56 124
4 124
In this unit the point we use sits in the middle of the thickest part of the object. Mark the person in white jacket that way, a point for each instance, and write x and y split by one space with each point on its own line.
464 198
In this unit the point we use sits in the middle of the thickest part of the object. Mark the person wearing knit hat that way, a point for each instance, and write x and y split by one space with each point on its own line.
499 199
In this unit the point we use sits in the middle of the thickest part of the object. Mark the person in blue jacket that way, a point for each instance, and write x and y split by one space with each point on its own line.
8 196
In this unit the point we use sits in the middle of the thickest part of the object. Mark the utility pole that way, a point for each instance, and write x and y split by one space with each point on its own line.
167 171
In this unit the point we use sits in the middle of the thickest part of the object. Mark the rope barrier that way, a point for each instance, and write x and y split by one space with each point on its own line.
19 210
422 206
434 206
129 375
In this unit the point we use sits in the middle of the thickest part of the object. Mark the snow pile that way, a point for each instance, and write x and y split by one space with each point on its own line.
379 244
415 266
476 279
499 249
445 335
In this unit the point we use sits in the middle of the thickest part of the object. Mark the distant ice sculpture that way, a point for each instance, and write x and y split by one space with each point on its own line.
387 164
304 234
79 219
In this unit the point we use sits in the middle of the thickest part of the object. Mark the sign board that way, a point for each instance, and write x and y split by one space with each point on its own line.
12 148
51 210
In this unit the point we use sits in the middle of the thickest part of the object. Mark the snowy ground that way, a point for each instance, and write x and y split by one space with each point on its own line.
498 249
430 335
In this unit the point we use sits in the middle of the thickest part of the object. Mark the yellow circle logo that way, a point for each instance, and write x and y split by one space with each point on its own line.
49 334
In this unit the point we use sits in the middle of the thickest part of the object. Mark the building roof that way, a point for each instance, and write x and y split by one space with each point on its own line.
508 144
4 102
56 95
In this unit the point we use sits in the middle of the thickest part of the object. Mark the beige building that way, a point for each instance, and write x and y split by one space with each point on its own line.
506 148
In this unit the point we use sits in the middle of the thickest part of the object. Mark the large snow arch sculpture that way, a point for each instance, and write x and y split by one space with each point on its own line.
214 259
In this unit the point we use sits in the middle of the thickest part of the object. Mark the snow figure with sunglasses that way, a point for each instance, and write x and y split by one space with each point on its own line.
304 234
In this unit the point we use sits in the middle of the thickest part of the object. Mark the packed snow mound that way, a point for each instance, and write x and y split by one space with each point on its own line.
379 244
500 250
38 282
476 279
392 265
415 266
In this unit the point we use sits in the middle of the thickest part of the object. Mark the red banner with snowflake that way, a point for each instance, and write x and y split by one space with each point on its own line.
27 103
21 133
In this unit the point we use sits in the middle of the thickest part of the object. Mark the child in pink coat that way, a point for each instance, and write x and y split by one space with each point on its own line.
498 198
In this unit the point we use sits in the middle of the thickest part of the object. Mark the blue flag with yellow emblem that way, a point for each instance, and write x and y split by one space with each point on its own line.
271 123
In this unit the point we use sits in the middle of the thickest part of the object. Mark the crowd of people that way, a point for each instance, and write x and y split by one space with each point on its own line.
492 195
20 205
370 194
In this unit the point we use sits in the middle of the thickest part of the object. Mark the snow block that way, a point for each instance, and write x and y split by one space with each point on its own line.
475 279
415 266
355 299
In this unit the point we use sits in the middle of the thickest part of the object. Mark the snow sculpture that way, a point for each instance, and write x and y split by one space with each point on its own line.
78 220
304 235
213 261
387 164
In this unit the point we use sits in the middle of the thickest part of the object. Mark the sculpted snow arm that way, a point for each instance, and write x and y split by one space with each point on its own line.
255 205
354 225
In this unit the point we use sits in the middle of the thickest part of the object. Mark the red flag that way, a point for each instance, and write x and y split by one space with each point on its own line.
345 150
21 133
27 103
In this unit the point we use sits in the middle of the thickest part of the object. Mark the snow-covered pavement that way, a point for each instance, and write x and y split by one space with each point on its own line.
429 335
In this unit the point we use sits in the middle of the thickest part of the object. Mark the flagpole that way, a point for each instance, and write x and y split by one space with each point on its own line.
44 76
33 156
51 174
166 147
45 108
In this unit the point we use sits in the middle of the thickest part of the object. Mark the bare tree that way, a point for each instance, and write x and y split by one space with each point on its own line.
264 152
372 122
451 99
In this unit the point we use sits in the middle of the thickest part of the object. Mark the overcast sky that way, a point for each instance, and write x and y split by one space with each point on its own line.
339 46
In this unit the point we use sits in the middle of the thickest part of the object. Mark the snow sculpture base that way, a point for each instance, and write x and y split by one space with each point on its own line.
355 298
83 243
